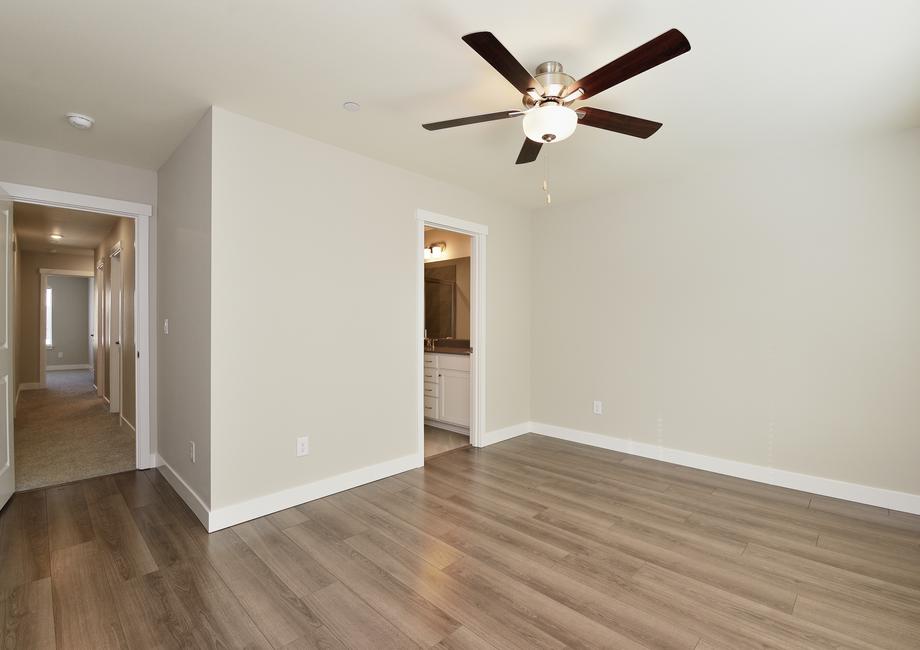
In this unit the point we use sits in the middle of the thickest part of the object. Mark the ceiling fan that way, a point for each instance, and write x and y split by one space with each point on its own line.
548 94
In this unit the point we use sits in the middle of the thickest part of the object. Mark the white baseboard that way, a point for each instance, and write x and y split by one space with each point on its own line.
448 427
874 496
265 505
71 366
515 430
130 426
184 490
31 385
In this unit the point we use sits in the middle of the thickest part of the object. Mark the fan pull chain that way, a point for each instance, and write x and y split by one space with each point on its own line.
549 198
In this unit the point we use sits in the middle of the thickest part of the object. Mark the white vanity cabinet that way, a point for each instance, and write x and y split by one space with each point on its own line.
447 390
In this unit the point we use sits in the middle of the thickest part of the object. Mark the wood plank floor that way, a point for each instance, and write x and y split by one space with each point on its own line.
530 543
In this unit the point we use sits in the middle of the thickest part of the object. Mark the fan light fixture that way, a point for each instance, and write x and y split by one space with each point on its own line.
56 236
550 123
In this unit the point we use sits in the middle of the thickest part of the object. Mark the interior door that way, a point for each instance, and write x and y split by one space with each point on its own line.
114 336
99 332
7 476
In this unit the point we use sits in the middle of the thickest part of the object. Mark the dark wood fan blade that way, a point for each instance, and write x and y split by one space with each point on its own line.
601 119
529 152
658 50
473 119
491 49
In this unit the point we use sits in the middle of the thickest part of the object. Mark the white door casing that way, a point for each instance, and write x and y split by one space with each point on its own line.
7 457
142 213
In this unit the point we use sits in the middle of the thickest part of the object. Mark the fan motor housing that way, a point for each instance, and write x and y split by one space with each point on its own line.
553 80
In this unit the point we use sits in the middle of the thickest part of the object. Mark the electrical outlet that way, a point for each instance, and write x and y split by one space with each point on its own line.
191 450
165 326
598 407
60 355
303 446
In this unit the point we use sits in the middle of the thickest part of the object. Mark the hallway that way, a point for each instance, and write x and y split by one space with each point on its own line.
64 433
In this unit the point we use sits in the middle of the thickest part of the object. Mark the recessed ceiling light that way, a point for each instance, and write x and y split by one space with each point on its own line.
79 121
56 236
352 107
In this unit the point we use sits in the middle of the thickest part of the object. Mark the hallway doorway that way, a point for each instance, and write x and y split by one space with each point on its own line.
73 313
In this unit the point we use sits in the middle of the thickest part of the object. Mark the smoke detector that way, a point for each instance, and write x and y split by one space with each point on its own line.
80 121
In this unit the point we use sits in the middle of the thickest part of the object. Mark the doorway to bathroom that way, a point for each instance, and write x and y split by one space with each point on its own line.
451 281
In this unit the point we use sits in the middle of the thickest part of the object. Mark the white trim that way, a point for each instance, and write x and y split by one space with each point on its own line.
874 496
74 201
145 452
32 385
129 425
447 426
265 505
450 223
478 234
79 274
184 490
515 430
70 366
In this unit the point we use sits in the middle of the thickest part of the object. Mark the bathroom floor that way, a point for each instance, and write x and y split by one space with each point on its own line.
438 441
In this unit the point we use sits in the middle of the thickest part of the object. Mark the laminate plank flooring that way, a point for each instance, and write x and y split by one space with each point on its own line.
530 543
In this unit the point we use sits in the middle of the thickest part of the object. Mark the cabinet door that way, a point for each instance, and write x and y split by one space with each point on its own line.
454 400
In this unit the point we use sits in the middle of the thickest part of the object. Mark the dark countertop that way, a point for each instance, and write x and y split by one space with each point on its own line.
449 350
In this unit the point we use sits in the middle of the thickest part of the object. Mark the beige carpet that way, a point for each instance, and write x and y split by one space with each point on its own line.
64 433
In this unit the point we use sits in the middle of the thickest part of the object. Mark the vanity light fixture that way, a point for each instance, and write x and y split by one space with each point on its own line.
435 250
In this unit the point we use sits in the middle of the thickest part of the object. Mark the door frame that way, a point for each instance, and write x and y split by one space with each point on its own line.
142 213
115 405
478 233
42 317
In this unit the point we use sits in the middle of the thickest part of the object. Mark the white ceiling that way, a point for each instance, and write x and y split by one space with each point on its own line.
82 231
758 74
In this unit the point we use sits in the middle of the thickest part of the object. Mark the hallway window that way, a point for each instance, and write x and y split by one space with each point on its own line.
48 318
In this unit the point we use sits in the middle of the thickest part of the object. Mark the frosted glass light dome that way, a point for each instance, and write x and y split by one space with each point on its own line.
550 123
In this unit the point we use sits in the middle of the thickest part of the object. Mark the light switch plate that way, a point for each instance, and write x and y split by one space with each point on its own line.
598 407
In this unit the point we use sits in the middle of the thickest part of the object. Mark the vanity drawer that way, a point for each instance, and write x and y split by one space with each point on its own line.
431 361
431 408
430 374
430 389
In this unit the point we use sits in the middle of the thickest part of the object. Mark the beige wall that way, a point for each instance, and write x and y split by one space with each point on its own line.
184 297
285 213
765 311
27 165
122 232
69 321
28 308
